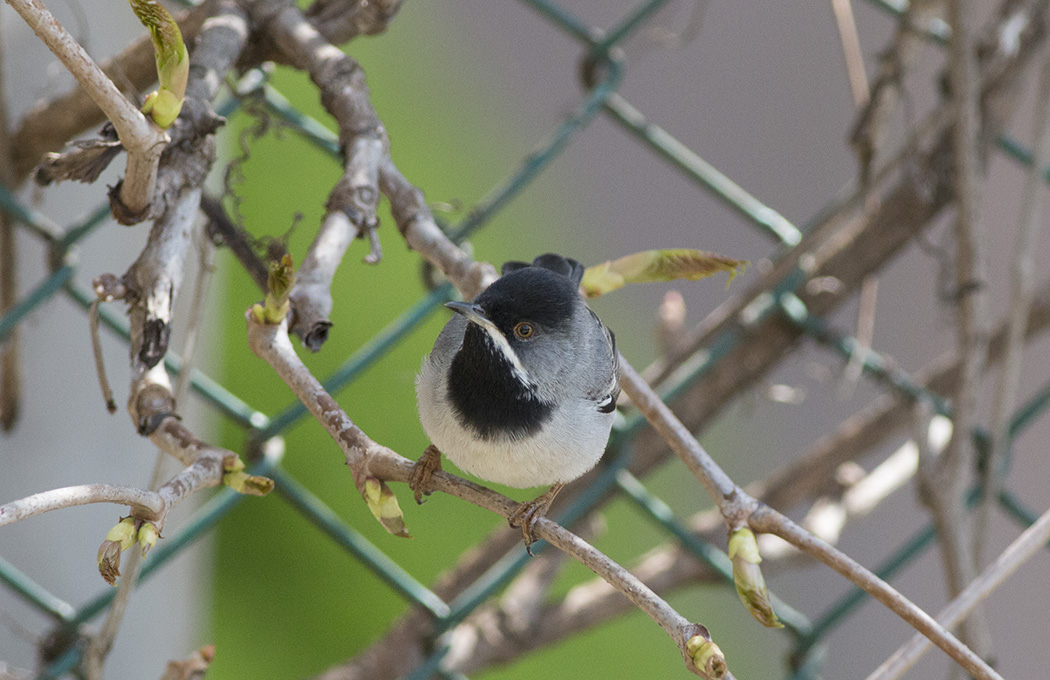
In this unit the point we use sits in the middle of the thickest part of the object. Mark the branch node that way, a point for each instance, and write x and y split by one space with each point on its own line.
702 655
153 404
121 213
317 335
81 161
375 253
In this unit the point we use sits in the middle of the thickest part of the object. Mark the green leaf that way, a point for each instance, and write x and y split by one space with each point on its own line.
249 485
657 265
748 579
279 284
173 62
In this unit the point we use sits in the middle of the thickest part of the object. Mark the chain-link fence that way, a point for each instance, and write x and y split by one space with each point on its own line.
787 305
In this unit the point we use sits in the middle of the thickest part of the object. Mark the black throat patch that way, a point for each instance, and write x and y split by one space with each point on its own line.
485 394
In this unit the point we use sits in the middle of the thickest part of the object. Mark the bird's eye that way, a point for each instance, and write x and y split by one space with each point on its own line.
524 330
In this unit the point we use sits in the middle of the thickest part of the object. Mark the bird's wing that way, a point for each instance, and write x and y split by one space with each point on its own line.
608 366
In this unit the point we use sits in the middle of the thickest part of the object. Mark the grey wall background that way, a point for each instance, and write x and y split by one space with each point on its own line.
762 94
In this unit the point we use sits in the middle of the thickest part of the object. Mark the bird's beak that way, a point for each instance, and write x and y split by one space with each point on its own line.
475 314
472 311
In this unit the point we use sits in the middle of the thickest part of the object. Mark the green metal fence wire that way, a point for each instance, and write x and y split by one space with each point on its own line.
604 72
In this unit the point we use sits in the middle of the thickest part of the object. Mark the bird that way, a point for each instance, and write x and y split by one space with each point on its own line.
521 386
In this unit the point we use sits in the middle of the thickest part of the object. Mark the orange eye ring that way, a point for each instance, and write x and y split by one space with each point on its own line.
524 330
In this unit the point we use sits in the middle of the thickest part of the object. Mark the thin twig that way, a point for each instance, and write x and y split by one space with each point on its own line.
734 505
52 122
422 234
100 362
1023 548
102 641
522 603
1022 294
10 363
365 458
847 28
867 300
351 207
205 269
142 140
146 504
767 520
221 227
205 470
858 80
737 506
943 479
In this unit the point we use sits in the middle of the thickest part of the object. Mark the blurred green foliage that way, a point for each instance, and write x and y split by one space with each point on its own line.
288 603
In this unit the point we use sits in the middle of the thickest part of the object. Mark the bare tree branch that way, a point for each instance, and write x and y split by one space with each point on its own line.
366 458
223 231
151 285
51 123
341 20
423 235
1030 542
943 480
1022 297
146 504
770 521
739 508
810 475
10 363
351 207
142 140
884 418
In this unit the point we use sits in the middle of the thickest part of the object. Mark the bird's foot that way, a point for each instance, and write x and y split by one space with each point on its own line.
528 513
422 471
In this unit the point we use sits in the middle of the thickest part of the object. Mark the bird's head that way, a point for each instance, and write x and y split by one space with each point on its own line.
525 318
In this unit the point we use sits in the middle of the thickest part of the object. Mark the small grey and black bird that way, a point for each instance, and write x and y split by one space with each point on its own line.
521 385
